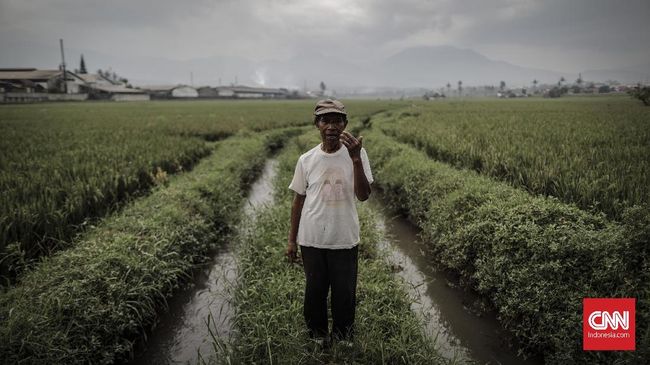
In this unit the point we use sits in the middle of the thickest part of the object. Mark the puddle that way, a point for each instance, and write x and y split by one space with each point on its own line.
182 331
459 333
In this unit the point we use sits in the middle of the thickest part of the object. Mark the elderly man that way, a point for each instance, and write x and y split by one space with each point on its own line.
325 224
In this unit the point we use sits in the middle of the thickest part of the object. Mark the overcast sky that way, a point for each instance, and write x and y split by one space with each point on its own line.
560 35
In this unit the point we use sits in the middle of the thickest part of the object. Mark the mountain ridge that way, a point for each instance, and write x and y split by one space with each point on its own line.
414 67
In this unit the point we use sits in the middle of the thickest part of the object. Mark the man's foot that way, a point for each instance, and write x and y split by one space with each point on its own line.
345 343
322 342
342 341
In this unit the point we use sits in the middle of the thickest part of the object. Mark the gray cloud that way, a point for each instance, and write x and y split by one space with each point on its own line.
591 24
554 34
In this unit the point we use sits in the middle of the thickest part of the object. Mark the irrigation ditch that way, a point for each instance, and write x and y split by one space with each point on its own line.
271 320
184 331
92 302
451 314
127 269
459 332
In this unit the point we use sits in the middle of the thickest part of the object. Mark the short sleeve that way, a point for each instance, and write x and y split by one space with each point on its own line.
299 182
366 166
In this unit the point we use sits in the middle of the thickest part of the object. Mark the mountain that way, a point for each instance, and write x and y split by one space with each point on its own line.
435 66
312 67
627 75
417 67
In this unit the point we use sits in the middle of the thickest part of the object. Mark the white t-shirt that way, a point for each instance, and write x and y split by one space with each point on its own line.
329 216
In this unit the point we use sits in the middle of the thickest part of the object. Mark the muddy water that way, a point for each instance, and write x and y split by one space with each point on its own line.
459 332
182 333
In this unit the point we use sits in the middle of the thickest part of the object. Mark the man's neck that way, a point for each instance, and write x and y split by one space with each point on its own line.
330 147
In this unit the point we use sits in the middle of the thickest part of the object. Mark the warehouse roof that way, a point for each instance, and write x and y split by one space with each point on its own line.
94 78
256 90
115 89
28 74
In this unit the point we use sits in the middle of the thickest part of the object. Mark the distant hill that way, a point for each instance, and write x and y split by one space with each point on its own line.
632 74
418 67
424 66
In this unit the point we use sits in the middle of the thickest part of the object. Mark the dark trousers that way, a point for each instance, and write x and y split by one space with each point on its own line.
338 269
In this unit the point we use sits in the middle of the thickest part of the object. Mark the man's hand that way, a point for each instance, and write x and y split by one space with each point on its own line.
296 211
292 252
353 145
361 185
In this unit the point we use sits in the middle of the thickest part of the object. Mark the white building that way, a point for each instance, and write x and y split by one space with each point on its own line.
170 91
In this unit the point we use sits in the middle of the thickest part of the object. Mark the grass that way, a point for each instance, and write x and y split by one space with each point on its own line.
269 321
592 152
533 257
65 165
88 304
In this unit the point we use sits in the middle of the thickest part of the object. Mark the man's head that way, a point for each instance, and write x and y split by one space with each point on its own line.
329 106
331 119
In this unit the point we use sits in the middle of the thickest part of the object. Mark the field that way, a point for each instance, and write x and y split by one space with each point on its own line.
107 208
387 332
593 154
64 164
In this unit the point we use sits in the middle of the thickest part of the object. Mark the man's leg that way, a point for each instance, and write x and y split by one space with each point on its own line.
315 307
342 266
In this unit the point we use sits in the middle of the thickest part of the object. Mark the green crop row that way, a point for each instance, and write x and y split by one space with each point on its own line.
88 304
62 165
269 296
593 152
535 258
52 187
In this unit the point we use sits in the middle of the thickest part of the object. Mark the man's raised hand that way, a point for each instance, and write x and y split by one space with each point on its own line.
352 144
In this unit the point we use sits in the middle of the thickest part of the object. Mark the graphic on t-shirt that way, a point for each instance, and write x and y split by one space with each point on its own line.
333 189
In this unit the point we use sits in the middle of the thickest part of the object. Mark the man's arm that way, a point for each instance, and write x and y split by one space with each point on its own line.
361 185
296 211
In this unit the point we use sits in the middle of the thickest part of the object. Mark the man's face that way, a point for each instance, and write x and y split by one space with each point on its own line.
330 125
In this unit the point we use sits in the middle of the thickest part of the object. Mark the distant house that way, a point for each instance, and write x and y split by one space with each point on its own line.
96 79
246 92
225 92
170 91
100 87
30 84
100 91
31 80
207 92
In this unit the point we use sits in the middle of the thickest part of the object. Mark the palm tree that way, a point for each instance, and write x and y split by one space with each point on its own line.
448 88
460 87
502 85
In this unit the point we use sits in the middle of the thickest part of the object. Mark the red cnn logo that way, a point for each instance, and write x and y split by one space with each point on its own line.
608 323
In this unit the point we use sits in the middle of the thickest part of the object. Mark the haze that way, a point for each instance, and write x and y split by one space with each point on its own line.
346 44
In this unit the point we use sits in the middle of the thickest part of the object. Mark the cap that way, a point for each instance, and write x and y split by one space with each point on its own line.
329 106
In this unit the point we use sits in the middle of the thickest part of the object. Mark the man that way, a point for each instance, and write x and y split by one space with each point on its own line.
324 221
